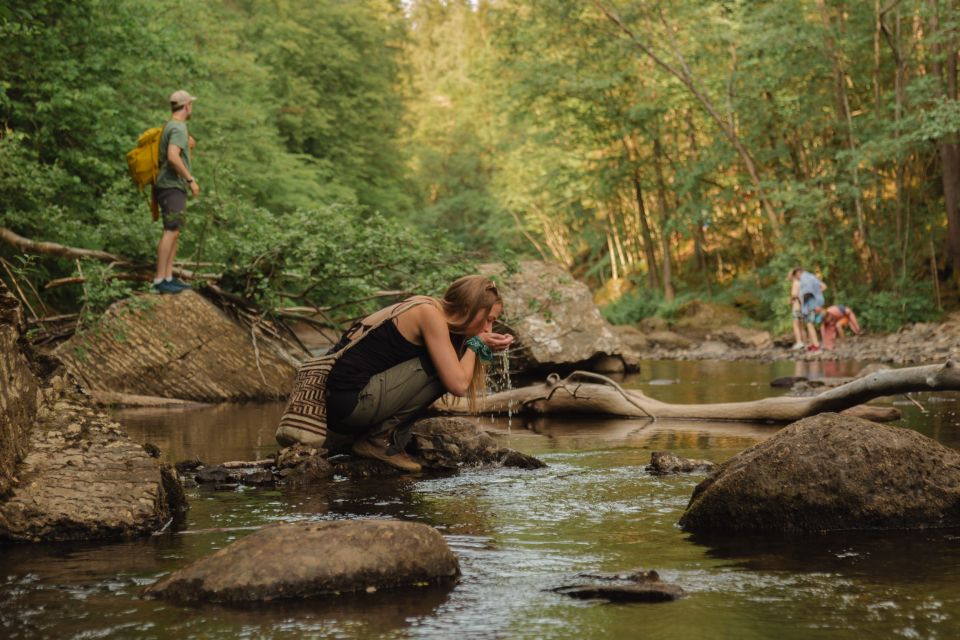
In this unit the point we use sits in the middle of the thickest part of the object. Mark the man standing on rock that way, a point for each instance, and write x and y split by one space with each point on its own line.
174 182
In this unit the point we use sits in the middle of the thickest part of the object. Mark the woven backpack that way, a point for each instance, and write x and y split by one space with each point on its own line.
304 420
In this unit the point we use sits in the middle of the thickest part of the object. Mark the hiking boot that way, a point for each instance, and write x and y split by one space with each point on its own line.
166 287
376 449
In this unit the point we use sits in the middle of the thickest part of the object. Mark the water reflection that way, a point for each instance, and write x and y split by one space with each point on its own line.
215 433
585 433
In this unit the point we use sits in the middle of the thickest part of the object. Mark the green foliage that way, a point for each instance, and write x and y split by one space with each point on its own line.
633 307
639 303
101 289
331 134
884 311
340 251
299 110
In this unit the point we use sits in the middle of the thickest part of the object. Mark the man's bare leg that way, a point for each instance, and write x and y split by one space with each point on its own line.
797 331
168 268
166 251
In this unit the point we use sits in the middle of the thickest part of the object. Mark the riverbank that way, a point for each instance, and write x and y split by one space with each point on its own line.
920 343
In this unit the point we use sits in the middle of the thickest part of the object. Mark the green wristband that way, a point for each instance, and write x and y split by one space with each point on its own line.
480 348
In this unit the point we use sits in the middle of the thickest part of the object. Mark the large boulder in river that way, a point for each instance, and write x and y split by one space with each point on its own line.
68 472
177 346
827 473
554 318
306 559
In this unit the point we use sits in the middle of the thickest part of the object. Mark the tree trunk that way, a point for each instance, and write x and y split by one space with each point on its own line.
668 292
653 279
685 76
946 75
842 99
573 396
899 82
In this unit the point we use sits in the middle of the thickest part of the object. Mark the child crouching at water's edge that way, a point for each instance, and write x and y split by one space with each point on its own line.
429 347
833 319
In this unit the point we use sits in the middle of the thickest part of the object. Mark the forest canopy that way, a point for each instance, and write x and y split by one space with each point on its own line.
659 151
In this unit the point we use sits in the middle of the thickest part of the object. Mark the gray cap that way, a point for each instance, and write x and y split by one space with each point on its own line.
180 98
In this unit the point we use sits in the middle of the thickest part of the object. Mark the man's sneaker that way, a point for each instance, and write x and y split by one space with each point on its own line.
376 449
180 283
797 346
813 348
166 287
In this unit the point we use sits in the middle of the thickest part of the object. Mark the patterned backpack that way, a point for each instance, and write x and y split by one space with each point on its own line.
304 420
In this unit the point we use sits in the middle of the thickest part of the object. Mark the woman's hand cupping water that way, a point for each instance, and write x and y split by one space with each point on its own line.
496 341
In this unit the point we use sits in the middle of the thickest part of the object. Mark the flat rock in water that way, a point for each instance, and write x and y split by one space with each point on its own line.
638 586
831 472
664 462
67 471
84 479
307 559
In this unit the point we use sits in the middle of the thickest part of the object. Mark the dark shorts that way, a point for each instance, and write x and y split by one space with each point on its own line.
173 203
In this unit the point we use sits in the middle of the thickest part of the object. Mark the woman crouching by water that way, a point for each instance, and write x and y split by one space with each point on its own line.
425 348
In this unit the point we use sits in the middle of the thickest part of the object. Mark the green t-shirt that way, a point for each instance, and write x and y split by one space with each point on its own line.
174 132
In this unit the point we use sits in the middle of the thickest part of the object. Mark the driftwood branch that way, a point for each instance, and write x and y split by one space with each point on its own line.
52 248
573 396
26 245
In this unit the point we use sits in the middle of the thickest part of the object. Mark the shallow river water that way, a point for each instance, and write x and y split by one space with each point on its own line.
517 534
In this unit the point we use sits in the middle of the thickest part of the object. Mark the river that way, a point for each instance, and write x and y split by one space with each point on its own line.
517 534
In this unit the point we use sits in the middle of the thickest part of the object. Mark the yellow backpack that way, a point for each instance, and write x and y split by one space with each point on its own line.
144 159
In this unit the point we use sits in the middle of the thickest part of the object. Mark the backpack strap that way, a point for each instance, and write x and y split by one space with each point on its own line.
365 329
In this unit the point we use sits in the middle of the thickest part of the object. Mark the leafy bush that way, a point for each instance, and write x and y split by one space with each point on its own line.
633 306
332 256
885 311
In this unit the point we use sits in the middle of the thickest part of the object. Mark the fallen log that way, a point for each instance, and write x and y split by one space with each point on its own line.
583 392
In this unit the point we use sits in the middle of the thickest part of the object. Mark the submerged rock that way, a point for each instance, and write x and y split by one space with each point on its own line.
831 472
180 346
307 559
637 586
664 462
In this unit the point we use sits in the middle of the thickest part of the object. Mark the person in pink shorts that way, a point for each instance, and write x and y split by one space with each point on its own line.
833 319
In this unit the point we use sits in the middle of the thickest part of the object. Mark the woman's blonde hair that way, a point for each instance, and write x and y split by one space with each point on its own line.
464 299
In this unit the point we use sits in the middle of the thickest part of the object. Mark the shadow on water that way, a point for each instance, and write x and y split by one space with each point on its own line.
916 556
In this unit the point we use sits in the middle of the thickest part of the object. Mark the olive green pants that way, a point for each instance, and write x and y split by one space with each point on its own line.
390 402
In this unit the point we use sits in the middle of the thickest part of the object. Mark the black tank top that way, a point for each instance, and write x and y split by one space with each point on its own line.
382 348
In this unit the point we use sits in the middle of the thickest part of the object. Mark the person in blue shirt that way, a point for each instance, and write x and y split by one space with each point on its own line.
808 297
